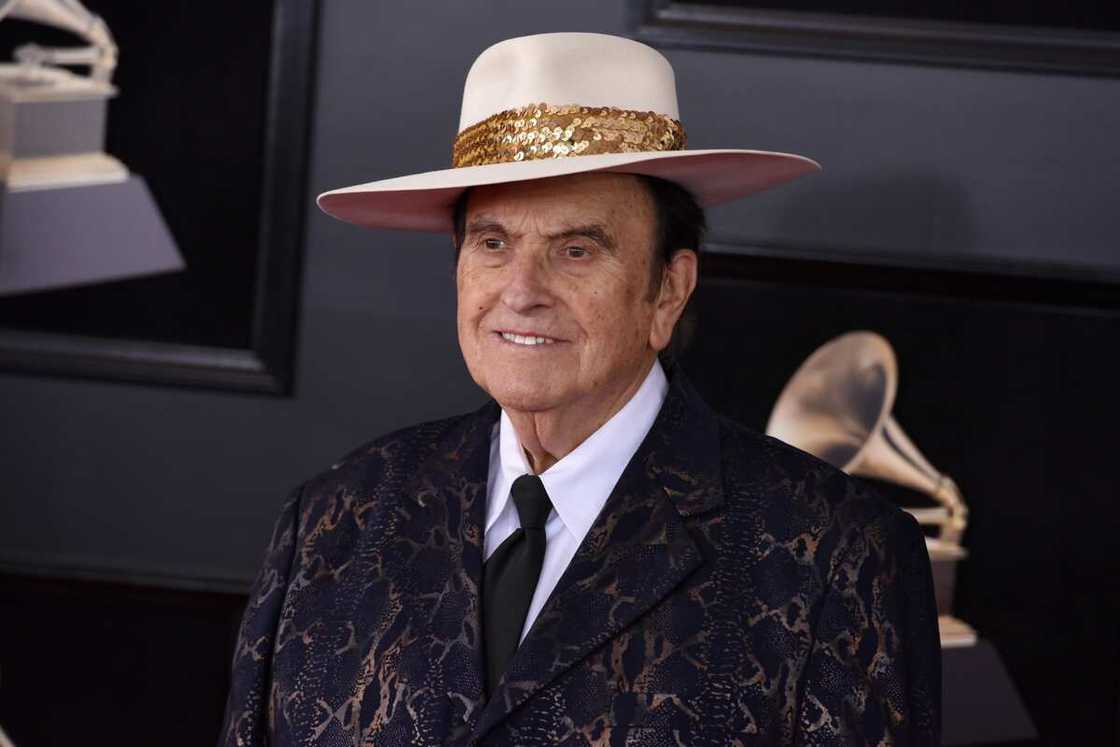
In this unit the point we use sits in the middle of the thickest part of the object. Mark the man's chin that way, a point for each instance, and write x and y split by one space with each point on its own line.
525 398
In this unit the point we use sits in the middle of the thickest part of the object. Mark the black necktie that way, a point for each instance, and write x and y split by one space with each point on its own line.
510 575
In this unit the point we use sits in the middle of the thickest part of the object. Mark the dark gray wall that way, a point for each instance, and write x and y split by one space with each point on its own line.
182 485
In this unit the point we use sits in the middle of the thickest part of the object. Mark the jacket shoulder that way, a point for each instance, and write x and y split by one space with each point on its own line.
387 461
797 495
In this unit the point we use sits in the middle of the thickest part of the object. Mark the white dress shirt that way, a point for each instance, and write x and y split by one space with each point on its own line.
578 485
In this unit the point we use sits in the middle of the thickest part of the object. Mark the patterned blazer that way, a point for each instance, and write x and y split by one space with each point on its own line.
733 591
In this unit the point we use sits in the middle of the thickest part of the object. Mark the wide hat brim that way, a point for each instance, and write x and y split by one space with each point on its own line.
423 202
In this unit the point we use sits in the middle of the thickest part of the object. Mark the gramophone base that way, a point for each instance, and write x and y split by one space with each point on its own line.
980 703
955 633
99 233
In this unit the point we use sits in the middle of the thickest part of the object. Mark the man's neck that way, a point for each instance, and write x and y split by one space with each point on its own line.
548 436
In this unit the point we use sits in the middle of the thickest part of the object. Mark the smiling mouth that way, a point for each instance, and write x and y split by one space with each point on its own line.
527 340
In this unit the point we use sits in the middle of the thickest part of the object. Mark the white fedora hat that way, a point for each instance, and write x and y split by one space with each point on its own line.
556 104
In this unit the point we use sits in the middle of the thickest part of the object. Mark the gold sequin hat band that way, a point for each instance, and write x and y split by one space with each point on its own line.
544 130
552 105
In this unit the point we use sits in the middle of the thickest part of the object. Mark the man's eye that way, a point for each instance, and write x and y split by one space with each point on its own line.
493 244
575 252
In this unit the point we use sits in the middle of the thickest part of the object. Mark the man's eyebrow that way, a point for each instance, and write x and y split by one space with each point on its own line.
481 225
594 231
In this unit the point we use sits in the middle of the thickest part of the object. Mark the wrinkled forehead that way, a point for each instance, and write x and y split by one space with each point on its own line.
620 202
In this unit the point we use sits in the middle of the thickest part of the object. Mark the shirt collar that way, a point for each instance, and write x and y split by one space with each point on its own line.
580 483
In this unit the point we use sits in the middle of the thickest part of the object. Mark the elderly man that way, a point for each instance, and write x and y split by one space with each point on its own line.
594 557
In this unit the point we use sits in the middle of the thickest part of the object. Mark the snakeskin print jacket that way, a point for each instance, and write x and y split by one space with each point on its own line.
733 591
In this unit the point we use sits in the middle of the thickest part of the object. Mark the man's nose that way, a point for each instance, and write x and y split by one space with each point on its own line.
526 285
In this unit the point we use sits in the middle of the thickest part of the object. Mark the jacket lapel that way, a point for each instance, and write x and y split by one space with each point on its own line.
637 551
444 511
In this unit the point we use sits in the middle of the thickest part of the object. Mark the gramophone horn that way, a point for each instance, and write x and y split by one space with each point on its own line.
837 407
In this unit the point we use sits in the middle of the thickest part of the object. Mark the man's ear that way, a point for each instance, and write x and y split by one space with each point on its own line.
678 281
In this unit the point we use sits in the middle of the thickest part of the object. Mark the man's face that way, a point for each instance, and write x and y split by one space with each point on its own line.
553 279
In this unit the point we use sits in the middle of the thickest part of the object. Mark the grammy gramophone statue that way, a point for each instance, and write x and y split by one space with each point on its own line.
837 407
58 116
71 214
